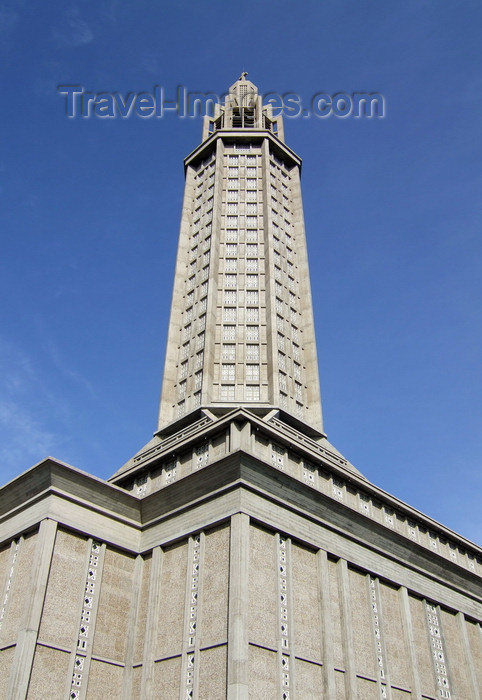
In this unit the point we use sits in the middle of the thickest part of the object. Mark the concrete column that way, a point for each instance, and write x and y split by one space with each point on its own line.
245 436
132 626
346 631
153 609
410 641
234 436
238 688
326 627
27 638
471 675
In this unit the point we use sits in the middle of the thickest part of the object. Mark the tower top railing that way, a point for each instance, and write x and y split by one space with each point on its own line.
243 109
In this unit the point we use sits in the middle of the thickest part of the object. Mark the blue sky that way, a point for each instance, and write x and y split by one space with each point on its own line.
91 207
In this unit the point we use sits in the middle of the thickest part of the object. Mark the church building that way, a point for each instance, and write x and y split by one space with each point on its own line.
238 555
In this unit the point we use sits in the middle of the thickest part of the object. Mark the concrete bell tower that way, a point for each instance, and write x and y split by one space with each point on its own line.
241 328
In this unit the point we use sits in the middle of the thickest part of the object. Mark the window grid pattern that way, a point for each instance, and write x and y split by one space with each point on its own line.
252 352
241 250
251 392
285 271
228 372
252 332
240 244
198 255
229 332
230 297
252 373
229 352
230 313
227 392
282 381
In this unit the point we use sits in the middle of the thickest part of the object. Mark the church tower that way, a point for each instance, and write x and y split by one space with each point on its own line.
241 329
238 555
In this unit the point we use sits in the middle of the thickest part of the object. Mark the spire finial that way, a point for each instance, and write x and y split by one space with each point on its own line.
243 75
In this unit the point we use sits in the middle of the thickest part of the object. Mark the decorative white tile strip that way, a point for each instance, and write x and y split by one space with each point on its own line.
378 636
338 489
283 616
201 456
170 472
364 503
389 517
277 455
77 677
85 620
142 485
438 652
15 546
309 471
193 615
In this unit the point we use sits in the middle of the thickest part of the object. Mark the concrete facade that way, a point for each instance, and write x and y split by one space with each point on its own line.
240 580
238 555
